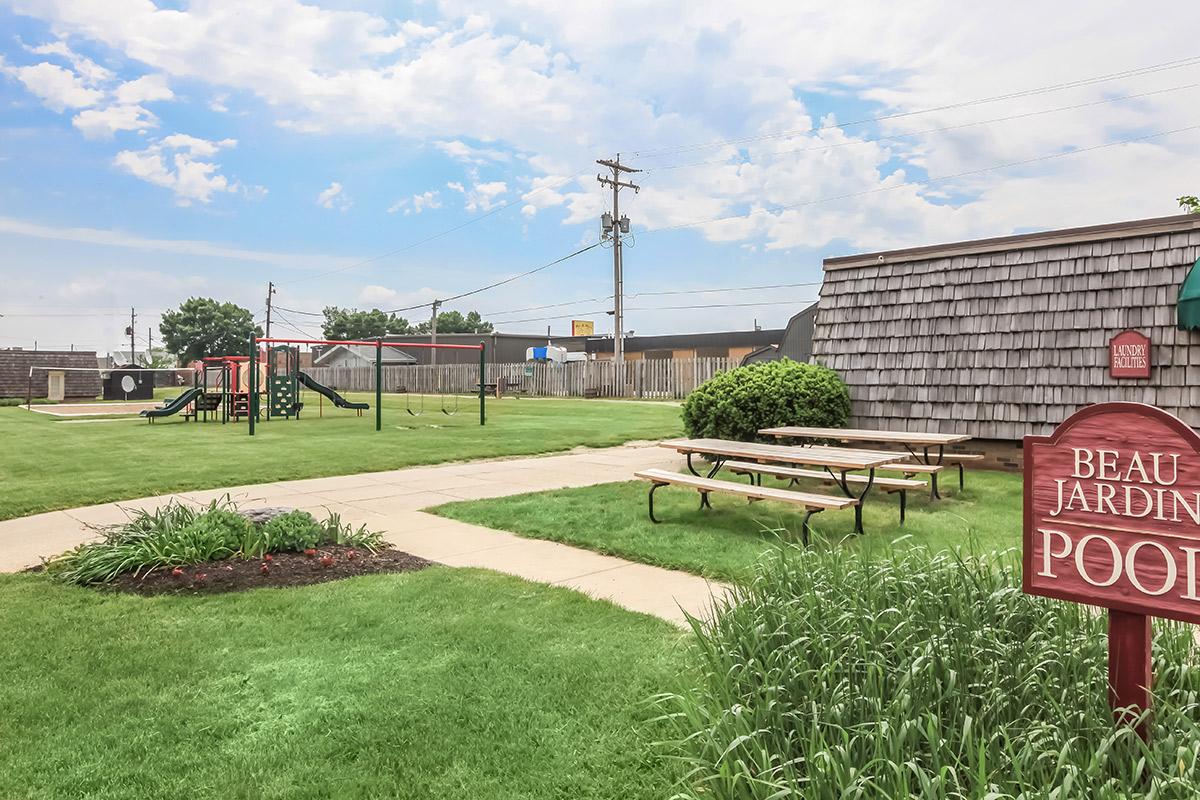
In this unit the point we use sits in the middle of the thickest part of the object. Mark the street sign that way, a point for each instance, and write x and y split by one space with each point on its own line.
1112 519
583 327
1129 355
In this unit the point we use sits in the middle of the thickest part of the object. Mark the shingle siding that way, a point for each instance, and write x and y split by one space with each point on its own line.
1003 344
15 379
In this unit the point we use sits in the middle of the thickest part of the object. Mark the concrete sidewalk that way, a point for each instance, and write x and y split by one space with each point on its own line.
391 501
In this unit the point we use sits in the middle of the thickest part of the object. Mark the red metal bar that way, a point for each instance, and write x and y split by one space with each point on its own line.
372 344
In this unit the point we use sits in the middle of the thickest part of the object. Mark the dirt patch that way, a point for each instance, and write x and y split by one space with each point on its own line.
91 409
283 569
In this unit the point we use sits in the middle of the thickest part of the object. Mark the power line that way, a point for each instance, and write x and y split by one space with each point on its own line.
1129 73
871 139
438 235
924 182
715 289
667 308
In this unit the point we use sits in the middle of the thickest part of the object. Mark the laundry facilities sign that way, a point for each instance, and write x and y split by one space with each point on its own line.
1112 519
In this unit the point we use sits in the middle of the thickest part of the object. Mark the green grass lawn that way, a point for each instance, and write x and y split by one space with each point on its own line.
440 683
52 463
726 541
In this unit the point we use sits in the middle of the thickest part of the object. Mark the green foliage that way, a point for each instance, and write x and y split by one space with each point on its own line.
455 322
736 404
1190 204
836 676
177 535
13 402
345 323
203 327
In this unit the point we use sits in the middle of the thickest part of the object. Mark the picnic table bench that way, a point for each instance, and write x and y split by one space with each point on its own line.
812 503
917 444
838 462
899 486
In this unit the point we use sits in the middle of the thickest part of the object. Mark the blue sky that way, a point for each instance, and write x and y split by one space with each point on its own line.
153 151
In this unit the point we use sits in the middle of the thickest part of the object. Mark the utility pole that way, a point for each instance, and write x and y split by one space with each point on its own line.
149 347
433 331
132 346
615 224
270 293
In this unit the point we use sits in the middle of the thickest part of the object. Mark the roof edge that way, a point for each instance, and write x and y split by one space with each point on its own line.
998 244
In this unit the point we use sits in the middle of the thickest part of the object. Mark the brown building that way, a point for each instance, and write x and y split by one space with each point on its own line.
999 338
16 379
724 344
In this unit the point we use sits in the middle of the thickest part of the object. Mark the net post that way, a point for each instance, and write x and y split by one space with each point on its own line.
379 385
253 381
482 394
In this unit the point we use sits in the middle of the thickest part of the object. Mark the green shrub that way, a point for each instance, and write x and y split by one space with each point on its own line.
12 402
736 404
294 531
179 535
840 676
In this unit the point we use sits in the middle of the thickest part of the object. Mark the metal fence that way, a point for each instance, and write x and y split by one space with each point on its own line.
645 378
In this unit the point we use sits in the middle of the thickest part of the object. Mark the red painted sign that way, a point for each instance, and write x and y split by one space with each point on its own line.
1112 519
1129 355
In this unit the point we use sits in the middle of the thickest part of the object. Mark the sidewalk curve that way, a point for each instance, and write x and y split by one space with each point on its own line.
391 502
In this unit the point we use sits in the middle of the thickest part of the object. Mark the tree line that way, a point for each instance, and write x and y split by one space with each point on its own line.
203 327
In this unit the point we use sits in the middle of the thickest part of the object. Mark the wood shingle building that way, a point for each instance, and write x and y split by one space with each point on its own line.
68 373
999 338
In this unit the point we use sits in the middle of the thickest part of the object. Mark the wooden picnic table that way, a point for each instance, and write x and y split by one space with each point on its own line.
911 440
837 461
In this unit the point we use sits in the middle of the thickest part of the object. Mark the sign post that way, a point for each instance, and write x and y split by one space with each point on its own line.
1112 519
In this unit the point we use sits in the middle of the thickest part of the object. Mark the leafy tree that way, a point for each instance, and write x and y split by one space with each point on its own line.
1190 204
455 322
346 323
204 327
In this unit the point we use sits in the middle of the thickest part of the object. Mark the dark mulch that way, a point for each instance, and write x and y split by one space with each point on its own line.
284 569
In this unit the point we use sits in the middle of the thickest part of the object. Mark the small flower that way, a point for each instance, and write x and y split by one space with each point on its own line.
201 577
352 554
326 561
177 572
268 558
265 568
310 552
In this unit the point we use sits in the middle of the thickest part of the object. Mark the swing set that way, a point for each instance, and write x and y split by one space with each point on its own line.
446 407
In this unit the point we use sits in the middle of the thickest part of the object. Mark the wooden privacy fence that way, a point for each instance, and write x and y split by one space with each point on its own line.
648 378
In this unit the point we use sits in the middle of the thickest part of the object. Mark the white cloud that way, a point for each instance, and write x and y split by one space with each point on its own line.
89 71
177 162
59 88
461 151
146 89
417 203
332 197
102 123
183 247
375 296
481 196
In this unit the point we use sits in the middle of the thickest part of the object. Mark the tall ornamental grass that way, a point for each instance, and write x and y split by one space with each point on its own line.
909 675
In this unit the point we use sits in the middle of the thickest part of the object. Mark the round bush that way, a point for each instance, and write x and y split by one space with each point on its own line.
735 404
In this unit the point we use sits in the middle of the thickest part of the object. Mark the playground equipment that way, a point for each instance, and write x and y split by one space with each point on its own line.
408 404
283 392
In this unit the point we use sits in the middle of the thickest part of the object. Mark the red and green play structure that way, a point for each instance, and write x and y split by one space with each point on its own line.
284 378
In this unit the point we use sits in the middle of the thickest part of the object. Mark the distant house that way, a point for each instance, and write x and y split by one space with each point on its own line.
357 355
796 343
72 375
999 338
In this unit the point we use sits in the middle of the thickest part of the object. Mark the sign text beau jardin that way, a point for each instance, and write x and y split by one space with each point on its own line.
1112 519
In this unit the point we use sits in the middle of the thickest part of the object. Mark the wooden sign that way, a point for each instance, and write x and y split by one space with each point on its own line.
583 327
1112 519
1129 355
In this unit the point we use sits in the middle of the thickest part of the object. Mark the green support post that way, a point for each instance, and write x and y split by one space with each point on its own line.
379 385
253 383
482 393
